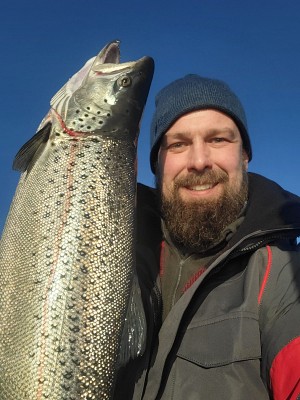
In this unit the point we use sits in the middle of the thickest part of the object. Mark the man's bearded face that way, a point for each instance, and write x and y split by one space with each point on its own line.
198 224
202 178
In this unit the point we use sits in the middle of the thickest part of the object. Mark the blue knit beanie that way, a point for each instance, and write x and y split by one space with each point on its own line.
192 93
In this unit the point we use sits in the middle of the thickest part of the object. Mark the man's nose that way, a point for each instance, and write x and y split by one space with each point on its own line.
199 157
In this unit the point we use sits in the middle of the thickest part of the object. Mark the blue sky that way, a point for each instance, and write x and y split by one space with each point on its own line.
253 46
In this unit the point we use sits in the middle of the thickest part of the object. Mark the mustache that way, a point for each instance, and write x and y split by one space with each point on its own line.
205 178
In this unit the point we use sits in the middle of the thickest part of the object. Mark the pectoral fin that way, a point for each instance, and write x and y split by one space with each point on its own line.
31 150
135 328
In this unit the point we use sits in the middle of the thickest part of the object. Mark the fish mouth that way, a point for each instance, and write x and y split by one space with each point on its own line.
110 54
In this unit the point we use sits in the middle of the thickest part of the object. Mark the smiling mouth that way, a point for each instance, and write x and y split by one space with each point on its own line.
199 188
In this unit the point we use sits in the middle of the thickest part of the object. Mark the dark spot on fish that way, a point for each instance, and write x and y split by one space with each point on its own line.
88 127
84 269
75 328
65 387
77 111
98 112
86 115
68 375
105 100
57 134
73 317
100 122
108 114
76 361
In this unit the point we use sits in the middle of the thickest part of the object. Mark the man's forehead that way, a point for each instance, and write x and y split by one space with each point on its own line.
208 121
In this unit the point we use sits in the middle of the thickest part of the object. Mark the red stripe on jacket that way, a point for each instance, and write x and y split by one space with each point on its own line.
285 372
267 274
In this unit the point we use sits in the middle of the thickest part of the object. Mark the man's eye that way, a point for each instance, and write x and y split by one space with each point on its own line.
218 140
176 145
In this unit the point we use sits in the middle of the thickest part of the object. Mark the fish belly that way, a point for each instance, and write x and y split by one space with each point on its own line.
66 271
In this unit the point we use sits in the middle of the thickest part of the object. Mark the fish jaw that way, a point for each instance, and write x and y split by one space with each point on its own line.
110 53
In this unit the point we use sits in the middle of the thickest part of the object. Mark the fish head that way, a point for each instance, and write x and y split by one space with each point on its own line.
105 97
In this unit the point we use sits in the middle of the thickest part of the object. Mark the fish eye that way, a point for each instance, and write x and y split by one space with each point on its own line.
124 81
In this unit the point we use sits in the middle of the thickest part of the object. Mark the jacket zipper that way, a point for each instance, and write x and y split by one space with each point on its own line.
181 263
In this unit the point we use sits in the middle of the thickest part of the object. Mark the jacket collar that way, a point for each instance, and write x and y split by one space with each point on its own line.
270 209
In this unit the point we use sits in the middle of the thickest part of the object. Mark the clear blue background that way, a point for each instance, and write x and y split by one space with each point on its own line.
252 45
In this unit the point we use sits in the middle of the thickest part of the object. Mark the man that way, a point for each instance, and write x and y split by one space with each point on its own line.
229 282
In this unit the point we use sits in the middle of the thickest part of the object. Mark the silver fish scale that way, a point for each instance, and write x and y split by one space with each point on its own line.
74 304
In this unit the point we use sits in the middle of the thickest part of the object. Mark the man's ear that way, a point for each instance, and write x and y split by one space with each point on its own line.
245 159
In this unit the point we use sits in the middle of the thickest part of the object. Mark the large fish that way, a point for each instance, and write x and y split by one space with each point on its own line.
70 307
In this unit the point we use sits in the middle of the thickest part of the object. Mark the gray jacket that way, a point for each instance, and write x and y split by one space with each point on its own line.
225 337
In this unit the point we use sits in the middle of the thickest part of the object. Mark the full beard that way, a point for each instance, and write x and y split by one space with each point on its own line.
199 225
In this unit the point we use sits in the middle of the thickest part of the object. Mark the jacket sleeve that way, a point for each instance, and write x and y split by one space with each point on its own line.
279 304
